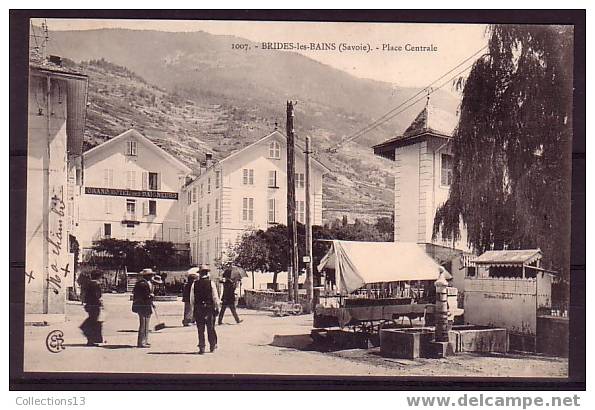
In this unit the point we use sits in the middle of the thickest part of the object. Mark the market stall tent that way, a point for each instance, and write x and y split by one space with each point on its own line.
360 263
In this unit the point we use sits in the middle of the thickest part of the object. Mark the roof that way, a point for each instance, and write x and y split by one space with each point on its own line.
509 257
359 263
430 121
47 66
76 100
279 134
132 132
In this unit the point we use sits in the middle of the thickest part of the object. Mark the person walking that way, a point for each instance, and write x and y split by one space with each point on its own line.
188 316
92 326
228 299
142 304
205 303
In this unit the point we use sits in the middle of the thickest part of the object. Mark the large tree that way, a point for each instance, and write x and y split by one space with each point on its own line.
512 146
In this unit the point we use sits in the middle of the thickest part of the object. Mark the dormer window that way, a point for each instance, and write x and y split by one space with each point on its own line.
274 150
131 148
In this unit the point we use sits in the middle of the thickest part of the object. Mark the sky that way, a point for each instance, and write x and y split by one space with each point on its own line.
453 42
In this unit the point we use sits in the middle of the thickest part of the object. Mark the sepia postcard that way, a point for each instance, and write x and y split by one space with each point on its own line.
298 198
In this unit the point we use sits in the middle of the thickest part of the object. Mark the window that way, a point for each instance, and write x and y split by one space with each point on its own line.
273 179
217 250
201 190
194 220
301 213
189 197
299 180
131 206
199 218
217 179
208 214
274 150
152 208
187 223
131 148
79 176
248 209
209 185
207 249
272 211
248 176
130 179
194 194
200 260
108 205
153 181
108 178
217 210
107 230
446 168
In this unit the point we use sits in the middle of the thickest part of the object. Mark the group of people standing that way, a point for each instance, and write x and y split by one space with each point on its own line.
202 306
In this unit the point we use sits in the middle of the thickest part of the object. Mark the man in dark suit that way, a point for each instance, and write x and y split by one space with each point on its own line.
228 300
205 303
91 327
142 304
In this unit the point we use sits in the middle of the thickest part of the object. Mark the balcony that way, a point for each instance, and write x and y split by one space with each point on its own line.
130 218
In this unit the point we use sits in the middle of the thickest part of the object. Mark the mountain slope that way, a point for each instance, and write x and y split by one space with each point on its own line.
191 94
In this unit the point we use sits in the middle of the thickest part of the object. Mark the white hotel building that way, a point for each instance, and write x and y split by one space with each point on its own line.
130 191
243 192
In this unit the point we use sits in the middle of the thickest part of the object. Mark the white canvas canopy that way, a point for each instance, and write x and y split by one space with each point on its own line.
359 263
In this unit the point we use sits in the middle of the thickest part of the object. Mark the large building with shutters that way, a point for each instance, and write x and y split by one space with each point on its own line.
245 191
131 191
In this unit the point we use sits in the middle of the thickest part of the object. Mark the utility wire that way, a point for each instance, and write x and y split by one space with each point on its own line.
416 101
381 120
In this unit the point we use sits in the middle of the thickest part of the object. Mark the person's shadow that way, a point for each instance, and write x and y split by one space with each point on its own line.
105 346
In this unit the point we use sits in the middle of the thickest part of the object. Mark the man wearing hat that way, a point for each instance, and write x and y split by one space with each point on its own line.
205 303
142 304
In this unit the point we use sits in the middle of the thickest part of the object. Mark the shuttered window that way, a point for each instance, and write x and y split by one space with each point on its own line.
108 178
131 148
274 150
247 209
272 179
131 179
446 170
272 211
299 180
248 176
300 210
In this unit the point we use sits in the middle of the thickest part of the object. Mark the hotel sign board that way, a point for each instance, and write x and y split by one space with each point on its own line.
131 192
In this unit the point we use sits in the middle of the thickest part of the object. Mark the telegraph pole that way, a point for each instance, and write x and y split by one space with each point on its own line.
309 283
291 223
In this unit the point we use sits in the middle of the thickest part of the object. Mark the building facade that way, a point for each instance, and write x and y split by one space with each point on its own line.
131 191
245 191
423 175
56 120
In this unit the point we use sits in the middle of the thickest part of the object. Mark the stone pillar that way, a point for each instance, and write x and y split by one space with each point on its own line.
440 345
441 309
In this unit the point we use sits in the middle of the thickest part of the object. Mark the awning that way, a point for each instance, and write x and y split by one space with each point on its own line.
509 257
359 263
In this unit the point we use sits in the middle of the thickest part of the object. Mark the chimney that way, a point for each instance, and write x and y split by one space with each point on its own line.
208 160
56 60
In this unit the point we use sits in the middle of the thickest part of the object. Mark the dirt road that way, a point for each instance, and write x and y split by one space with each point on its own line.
262 344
